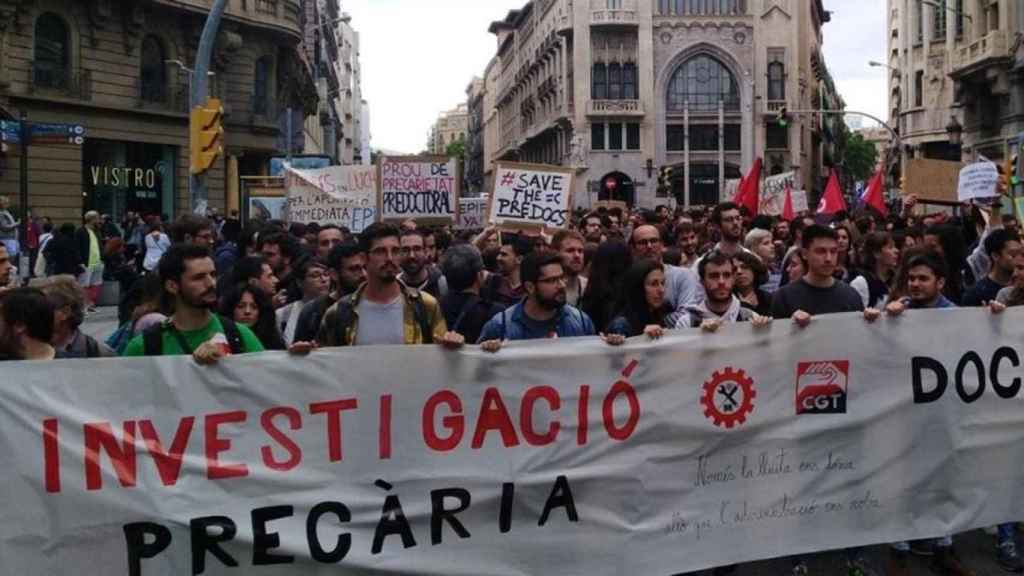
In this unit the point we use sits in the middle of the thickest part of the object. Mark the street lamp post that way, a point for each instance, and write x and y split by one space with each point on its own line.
955 131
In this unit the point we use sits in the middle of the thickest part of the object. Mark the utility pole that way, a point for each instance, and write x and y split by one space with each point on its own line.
198 195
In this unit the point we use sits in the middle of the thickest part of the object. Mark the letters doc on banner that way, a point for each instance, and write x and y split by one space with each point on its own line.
565 457
530 195
341 195
978 180
472 213
773 193
419 187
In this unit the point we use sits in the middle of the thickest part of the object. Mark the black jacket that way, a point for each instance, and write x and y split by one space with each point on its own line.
62 255
82 240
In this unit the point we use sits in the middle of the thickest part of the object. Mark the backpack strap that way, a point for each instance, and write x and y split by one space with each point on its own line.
419 312
92 348
153 340
344 321
233 334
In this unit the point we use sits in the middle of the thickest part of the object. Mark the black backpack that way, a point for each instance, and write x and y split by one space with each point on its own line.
346 316
153 337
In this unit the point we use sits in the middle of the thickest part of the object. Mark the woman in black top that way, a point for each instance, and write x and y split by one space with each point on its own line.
644 309
248 305
751 273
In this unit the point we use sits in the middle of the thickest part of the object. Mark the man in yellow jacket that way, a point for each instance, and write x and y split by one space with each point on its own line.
383 310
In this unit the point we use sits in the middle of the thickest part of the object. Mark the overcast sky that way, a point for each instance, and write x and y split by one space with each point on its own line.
418 58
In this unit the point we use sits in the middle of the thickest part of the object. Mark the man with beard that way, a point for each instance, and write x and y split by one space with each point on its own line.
5 269
688 243
68 301
327 238
417 271
727 218
717 275
281 250
383 310
347 265
190 281
569 245
592 229
26 325
544 313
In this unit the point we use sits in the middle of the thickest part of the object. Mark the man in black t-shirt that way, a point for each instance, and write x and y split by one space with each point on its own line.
818 292
465 311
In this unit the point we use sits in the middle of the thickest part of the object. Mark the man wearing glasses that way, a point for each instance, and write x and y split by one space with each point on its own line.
384 310
417 271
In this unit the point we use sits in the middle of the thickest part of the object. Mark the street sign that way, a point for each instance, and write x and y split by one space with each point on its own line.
10 131
44 133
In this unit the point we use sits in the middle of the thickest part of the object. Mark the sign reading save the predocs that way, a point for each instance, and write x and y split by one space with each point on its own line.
530 195
550 457
340 195
978 180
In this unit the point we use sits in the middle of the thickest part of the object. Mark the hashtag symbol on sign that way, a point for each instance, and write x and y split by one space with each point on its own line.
508 179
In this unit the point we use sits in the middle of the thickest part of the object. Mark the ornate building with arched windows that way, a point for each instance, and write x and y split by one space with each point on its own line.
619 89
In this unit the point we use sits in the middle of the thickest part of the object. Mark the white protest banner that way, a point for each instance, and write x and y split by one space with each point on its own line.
773 193
550 457
341 195
978 180
531 195
799 198
472 213
420 187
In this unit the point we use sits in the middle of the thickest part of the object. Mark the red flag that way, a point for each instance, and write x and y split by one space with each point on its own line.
788 214
832 200
749 190
874 196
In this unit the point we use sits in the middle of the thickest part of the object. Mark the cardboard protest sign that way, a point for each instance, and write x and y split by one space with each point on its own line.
472 213
978 180
425 188
341 195
531 195
932 180
552 457
773 193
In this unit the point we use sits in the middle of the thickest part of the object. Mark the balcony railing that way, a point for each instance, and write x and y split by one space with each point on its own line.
616 17
615 108
774 106
74 84
993 46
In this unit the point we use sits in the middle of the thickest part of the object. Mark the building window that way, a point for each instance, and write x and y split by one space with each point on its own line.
919 88
664 7
614 4
732 137
599 90
940 21
615 136
703 82
153 71
919 22
632 136
52 57
777 137
776 80
675 137
703 138
614 82
597 136
629 91
261 87
959 18
701 7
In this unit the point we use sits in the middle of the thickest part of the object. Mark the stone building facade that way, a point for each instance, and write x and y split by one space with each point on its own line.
111 66
450 127
958 63
620 88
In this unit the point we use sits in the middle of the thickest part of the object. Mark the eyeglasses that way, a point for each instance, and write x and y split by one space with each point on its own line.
552 280
315 275
384 252
406 250
642 242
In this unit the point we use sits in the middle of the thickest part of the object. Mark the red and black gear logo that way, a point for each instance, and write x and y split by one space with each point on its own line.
728 397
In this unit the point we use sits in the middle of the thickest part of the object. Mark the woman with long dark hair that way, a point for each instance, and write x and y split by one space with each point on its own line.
750 274
644 309
600 299
249 306
879 258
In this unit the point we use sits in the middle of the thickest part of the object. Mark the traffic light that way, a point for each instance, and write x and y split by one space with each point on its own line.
206 135
782 118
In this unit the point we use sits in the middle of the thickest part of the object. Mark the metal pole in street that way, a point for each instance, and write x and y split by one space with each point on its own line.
197 192
26 133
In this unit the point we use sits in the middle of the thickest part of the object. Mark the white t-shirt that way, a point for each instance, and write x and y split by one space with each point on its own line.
380 323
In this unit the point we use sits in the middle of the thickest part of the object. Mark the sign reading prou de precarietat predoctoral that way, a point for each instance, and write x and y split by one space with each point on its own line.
419 187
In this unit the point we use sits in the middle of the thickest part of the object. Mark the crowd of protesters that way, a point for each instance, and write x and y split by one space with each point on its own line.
210 287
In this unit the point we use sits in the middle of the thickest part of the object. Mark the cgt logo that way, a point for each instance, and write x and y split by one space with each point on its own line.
821 387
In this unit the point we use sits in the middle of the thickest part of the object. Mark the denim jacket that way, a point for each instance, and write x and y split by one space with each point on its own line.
512 325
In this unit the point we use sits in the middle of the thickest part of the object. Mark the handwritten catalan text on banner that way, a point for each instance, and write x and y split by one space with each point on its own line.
419 187
567 457
341 195
531 195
